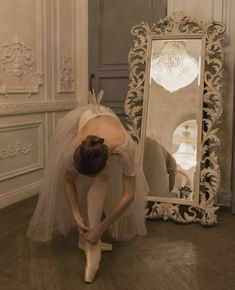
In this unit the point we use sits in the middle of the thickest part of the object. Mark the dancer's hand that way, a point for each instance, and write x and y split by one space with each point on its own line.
93 236
83 229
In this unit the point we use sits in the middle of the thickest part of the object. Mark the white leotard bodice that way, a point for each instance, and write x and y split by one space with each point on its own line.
91 113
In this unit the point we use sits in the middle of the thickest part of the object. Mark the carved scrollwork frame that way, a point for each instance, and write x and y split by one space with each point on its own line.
178 24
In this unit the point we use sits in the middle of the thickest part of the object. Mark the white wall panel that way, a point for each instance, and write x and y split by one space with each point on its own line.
65 45
199 9
21 50
43 75
21 145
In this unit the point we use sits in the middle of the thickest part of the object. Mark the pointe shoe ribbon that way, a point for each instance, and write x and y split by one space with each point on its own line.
93 257
105 247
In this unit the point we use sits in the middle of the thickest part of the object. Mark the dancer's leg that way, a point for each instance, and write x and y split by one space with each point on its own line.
95 201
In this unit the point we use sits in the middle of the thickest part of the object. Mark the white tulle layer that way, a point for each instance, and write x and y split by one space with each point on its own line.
53 214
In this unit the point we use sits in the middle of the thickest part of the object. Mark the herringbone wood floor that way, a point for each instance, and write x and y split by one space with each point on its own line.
170 257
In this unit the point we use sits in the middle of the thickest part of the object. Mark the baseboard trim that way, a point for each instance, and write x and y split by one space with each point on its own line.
22 193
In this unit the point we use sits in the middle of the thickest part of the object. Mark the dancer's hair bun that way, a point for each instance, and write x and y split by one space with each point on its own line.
91 155
93 140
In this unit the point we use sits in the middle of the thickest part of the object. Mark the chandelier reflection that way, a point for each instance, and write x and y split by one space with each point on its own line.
185 155
174 68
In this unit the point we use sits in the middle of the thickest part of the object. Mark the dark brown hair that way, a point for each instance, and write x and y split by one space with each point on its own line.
91 155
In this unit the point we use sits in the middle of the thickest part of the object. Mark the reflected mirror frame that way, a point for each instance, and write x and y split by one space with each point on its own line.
180 26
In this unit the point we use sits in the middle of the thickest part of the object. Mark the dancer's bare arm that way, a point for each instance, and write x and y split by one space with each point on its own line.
172 170
70 192
126 200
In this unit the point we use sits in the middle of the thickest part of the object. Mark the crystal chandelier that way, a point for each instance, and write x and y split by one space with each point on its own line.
185 155
173 68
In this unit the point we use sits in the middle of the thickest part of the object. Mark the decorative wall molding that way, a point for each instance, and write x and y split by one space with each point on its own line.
7 198
16 60
29 108
16 149
65 61
66 73
81 50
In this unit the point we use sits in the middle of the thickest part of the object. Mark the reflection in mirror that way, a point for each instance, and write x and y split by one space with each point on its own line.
172 66
173 119
174 103
184 148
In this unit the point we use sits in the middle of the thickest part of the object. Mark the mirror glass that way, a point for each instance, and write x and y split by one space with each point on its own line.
173 110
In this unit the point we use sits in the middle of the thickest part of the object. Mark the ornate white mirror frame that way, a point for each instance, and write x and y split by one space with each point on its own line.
172 27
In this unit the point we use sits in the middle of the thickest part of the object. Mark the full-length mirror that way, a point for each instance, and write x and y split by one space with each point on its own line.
173 117
174 104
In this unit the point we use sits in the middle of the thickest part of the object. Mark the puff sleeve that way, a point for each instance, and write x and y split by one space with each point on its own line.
129 157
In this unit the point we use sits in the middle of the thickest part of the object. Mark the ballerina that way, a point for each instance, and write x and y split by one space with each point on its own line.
93 167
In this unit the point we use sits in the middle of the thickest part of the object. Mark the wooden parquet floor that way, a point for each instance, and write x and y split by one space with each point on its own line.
169 257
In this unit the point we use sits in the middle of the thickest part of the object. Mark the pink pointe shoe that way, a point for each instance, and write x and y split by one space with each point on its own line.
93 257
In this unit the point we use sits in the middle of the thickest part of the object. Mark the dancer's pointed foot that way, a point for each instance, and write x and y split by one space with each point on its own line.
93 257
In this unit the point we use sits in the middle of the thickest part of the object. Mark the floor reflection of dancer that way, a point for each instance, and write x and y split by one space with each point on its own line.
93 166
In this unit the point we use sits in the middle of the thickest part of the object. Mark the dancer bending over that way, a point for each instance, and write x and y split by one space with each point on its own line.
93 167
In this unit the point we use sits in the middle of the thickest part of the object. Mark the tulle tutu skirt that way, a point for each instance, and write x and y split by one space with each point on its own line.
53 213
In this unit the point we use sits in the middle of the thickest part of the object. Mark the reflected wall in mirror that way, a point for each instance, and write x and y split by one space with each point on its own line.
174 104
